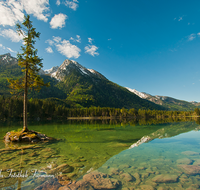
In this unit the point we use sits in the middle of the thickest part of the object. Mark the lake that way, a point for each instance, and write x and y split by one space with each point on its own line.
115 154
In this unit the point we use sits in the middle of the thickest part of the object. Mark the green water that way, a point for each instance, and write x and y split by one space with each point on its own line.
88 147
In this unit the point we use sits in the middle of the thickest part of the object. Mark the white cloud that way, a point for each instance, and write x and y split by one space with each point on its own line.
173 50
58 21
198 34
58 2
50 42
14 36
2 46
109 39
64 47
180 18
90 40
49 50
57 39
191 37
11 50
78 39
12 11
91 49
37 7
72 4
67 49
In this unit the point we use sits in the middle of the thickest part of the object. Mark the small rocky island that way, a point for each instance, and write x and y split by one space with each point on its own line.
25 136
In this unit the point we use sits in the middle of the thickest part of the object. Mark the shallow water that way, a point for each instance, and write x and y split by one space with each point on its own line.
105 147
171 163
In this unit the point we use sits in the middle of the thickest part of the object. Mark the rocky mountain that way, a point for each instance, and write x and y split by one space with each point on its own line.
84 87
140 94
68 66
77 85
7 59
8 69
167 102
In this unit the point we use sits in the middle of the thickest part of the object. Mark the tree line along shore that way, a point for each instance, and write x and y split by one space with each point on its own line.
12 108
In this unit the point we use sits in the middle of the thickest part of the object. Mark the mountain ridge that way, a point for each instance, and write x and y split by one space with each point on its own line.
166 101
73 82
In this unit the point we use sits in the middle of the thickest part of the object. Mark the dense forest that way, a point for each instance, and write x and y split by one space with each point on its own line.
52 108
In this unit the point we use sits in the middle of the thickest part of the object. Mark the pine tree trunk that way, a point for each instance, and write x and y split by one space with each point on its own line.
25 128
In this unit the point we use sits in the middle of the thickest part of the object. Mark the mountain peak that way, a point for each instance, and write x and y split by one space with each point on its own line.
7 59
52 70
59 72
70 63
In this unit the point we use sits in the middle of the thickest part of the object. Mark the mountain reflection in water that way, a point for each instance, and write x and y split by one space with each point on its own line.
88 148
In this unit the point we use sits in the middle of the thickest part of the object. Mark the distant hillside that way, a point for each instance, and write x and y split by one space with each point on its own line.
76 84
167 102
8 69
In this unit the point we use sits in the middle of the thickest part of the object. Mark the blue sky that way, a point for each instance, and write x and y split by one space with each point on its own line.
151 46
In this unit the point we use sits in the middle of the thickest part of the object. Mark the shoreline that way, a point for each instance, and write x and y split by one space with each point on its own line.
85 118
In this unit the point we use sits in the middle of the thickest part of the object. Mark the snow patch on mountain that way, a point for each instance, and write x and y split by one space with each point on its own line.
83 71
140 94
52 70
91 70
7 59
54 75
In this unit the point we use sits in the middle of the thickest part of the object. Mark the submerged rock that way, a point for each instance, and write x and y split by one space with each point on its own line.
94 180
136 175
100 180
190 153
185 161
124 166
146 187
127 177
63 179
77 185
51 184
114 171
165 178
197 162
191 169
33 154
65 168
162 188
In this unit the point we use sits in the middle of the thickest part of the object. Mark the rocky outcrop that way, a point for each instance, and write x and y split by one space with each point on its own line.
29 136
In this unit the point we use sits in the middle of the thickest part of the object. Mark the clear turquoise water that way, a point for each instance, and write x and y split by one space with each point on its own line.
159 157
105 147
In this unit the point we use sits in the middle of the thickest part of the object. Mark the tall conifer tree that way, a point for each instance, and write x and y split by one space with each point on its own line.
30 63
